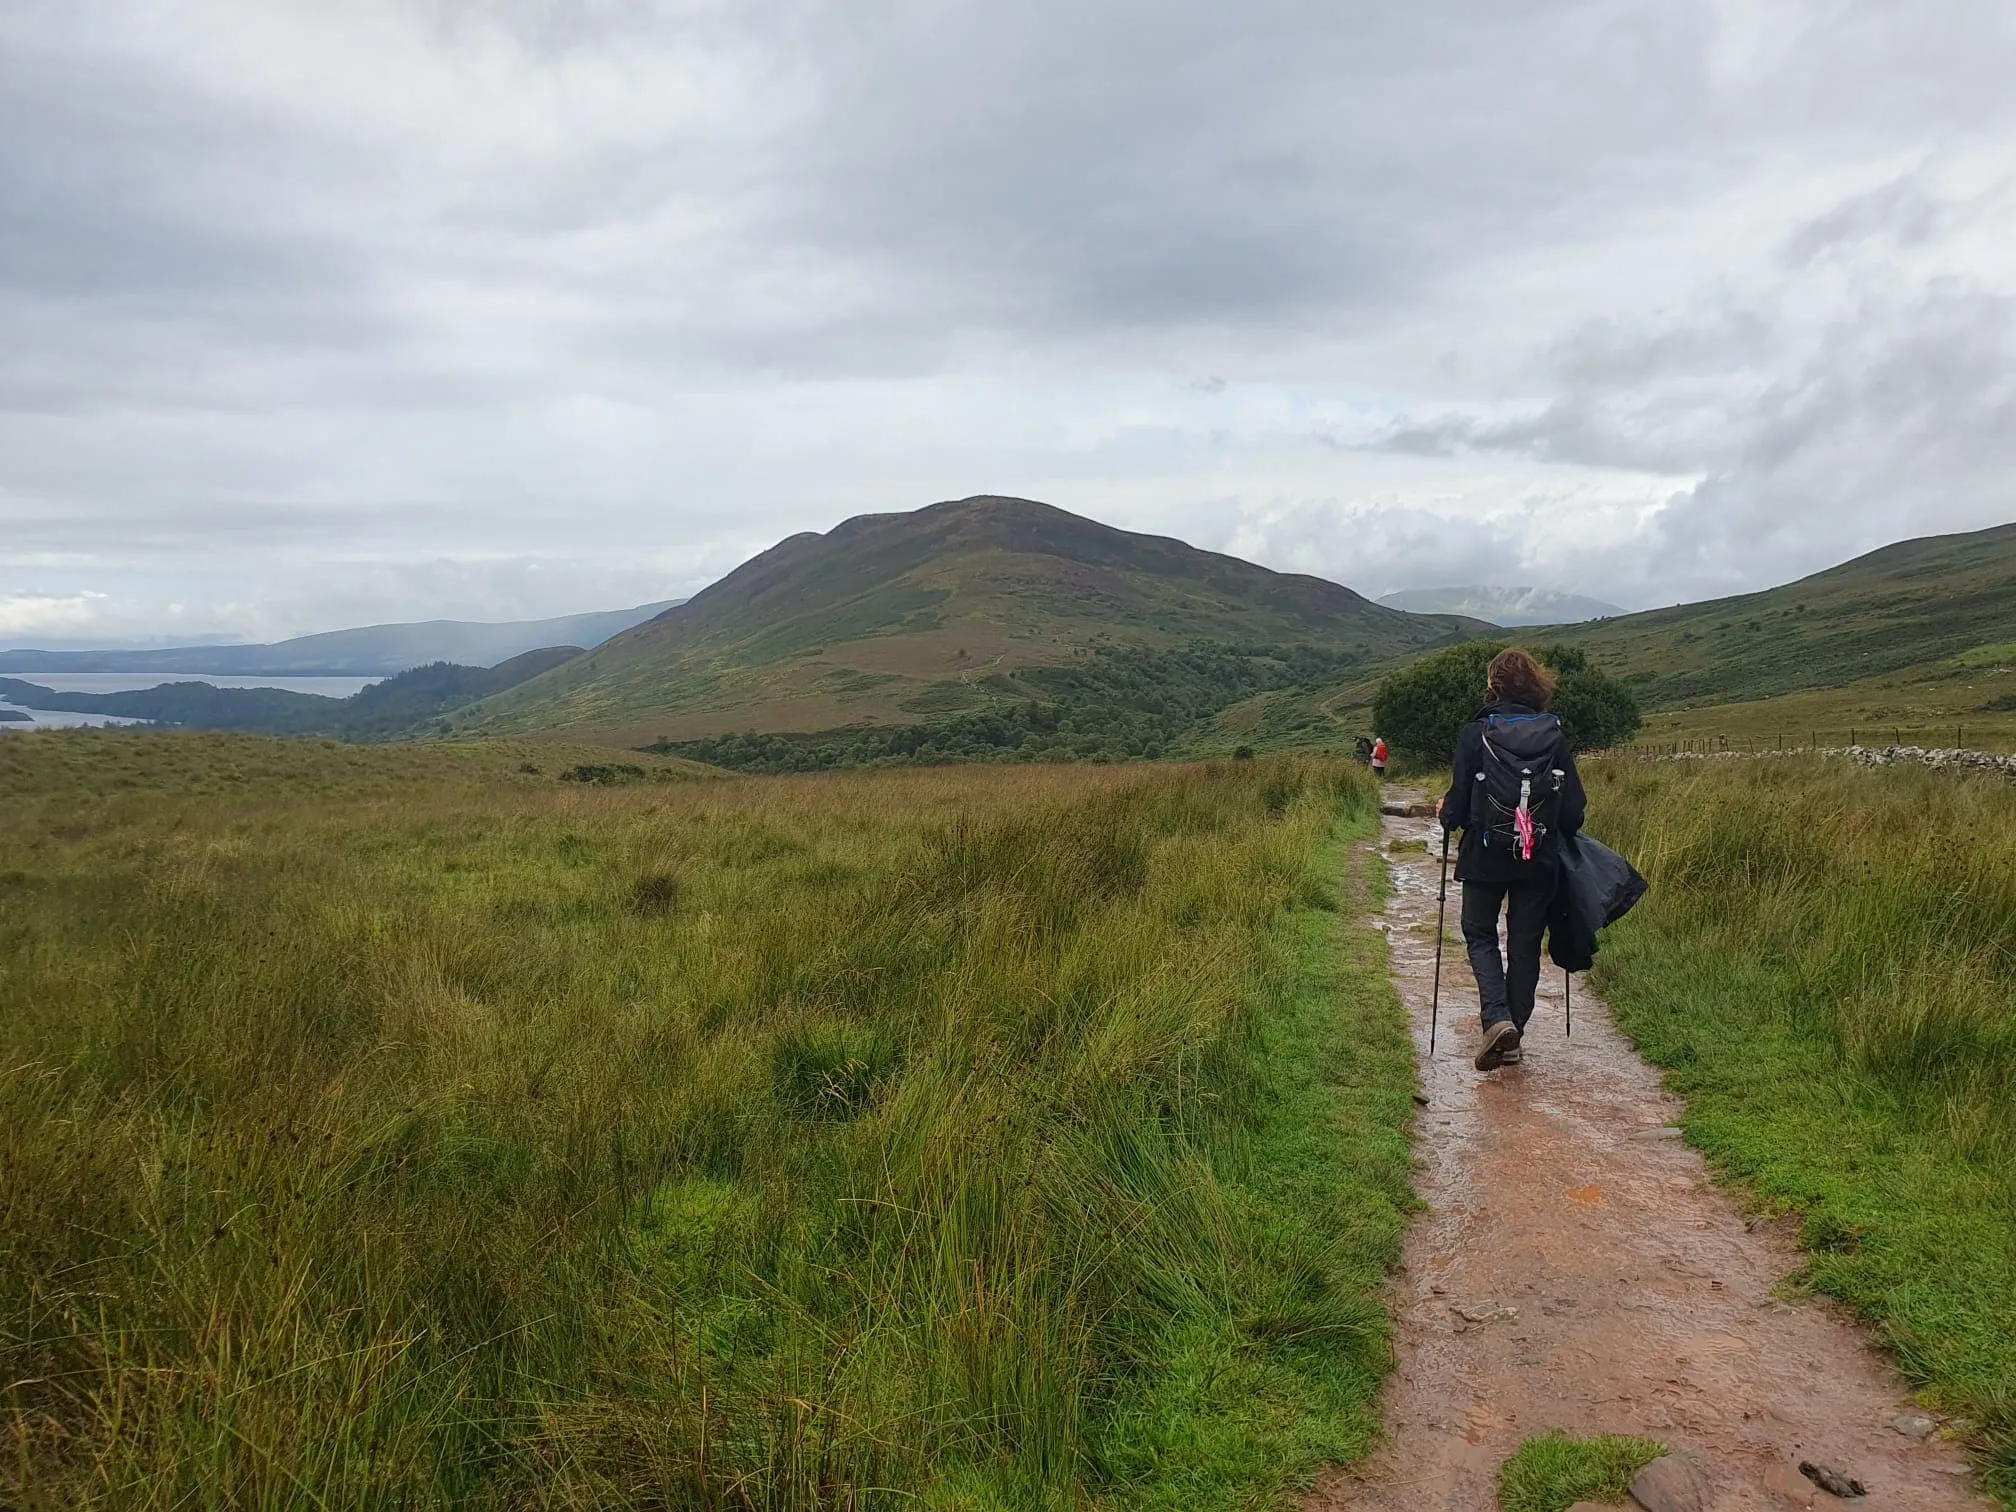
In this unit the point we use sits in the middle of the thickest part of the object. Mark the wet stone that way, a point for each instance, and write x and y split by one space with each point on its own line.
1912 1424
1834 1482
1789 1488
1675 1483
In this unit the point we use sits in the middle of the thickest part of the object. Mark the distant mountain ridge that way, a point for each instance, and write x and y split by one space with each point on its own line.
1509 607
893 618
368 651
399 706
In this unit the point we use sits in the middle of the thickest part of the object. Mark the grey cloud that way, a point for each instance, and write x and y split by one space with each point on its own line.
1900 210
579 278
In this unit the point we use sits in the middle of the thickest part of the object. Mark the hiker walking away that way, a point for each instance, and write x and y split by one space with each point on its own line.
1379 755
1516 796
1362 750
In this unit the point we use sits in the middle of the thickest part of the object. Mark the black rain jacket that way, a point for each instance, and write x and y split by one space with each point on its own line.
1596 887
1476 863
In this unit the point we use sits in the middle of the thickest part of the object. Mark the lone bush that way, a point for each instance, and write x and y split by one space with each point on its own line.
1422 708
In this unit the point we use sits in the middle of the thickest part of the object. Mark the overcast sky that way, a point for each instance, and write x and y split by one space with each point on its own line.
319 314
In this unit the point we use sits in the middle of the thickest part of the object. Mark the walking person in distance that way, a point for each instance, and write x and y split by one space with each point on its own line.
1515 794
1379 755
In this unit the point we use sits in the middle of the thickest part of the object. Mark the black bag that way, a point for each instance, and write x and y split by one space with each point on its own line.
1594 886
1515 802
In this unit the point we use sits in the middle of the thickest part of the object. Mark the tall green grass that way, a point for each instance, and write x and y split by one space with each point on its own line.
1826 964
994 1139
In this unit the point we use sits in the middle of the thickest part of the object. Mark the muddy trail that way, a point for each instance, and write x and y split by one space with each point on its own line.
1575 1269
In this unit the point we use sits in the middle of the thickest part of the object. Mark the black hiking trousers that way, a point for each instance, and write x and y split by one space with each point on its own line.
1505 986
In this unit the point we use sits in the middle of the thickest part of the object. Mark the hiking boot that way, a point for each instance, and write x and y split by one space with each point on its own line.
1498 1038
1512 1057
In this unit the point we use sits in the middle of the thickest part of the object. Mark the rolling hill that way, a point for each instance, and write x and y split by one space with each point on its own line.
943 611
1917 604
368 651
1879 643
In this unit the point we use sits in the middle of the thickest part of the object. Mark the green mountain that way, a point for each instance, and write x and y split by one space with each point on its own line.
944 612
1909 605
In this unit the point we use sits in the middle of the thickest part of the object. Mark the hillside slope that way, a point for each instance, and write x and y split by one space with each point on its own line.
1875 642
902 618
1909 605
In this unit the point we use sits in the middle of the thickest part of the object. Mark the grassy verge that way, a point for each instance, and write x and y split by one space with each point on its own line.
989 1138
1825 966
1552 1471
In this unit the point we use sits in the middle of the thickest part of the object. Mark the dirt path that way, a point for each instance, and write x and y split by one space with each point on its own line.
1575 1270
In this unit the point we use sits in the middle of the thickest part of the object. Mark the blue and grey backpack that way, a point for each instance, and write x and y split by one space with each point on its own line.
1516 799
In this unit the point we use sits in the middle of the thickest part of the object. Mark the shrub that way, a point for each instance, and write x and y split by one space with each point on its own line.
1422 708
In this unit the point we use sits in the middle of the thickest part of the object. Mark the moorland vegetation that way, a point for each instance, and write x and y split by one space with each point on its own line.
406 1126
1825 965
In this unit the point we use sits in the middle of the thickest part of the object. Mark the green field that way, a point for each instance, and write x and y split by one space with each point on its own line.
1825 965
1960 700
409 1127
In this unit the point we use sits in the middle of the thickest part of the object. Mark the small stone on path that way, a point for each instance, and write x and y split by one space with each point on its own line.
1672 1483
1912 1425
1790 1487
1834 1482
1669 1131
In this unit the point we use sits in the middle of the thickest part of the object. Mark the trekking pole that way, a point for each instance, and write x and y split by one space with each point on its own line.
1568 999
1441 904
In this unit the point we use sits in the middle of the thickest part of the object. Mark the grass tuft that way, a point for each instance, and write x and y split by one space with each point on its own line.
1553 1471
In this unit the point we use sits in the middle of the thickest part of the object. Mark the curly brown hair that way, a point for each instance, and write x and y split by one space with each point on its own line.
1515 677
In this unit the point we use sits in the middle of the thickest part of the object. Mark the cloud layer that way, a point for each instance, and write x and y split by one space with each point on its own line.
323 314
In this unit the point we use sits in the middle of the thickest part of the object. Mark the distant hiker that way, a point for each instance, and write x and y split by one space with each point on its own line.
1515 795
1379 755
1362 749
